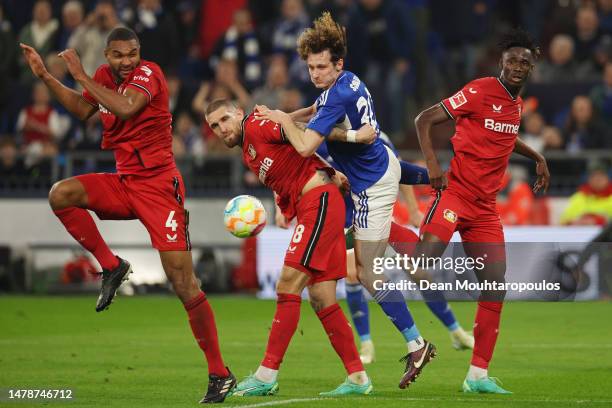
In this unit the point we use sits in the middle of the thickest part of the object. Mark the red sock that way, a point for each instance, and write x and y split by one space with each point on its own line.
284 324
202 321
403 240
81 226
486 328
340 334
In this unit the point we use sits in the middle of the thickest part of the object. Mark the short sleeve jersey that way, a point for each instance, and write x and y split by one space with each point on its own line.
348 104
276 163
142 144
487 119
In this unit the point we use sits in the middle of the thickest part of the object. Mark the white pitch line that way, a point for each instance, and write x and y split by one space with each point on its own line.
289 401
507 399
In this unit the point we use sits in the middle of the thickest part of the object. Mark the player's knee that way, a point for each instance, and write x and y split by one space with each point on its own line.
63 195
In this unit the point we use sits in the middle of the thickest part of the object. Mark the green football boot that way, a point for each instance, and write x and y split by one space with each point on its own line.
349 388
252 387
487 385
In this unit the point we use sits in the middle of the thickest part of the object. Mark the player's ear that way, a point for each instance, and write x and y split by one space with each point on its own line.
340 64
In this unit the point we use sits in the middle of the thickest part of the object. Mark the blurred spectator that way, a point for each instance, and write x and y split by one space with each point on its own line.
561 65
89 39
462 27
537 135
40 34
592 203
605 15
187 139
277 79
226 85
583 130
290 100
159 41
72 17
586 34
516 198
292 22
7 57
240 44
601 95
191 64
11 166
40 125
380 38
79 269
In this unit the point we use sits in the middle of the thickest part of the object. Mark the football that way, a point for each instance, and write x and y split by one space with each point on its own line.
244 216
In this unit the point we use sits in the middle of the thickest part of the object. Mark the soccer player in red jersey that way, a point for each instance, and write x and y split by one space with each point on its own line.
487 115
304 188
132 97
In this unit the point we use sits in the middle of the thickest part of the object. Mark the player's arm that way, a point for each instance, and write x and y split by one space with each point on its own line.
407 193
304 114
543 179
123 106
424 122
69 98
366 134
305 142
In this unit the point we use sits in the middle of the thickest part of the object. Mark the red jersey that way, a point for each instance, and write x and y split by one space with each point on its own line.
269 155
142 145
487 119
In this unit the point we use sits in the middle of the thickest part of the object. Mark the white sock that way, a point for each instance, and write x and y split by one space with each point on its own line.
477 373
265 374
359 378
416 344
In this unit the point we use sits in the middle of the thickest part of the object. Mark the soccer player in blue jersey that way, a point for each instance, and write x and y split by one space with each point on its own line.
372 169
357 303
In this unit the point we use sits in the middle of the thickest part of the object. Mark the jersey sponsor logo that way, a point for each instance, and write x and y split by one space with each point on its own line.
450 216
264 167
457 100
501 127
140 78
496 108
146 70
355 84
252 151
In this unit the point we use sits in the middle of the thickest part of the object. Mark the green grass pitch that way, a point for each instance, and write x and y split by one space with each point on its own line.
141 353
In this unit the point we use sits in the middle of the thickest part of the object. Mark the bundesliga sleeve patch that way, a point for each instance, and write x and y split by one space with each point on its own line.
457 100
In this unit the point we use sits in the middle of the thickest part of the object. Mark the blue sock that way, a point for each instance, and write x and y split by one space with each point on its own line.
394 305
359 310
440 307
413 174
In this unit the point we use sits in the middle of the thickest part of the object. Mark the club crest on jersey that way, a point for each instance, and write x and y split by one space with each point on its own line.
252 151
497 108
457 100
450 216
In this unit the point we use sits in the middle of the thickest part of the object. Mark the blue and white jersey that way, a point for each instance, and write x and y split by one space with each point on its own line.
348 103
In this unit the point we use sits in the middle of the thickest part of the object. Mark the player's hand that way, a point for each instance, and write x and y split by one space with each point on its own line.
366 134
416 218
280 220
437 178
73 63
34 60
262 112
543 179
341 181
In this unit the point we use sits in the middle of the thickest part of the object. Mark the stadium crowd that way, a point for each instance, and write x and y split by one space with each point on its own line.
411 53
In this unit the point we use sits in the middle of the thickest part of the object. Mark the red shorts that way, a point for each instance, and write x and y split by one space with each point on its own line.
476 221
317 246
157 201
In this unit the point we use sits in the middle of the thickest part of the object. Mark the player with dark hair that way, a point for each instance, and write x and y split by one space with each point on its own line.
304 188
487 115
372 169
132 97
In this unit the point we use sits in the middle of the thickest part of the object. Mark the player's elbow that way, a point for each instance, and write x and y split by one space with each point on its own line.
422 119
306 151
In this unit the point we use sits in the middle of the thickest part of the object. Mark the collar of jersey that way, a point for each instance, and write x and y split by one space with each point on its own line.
507 90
